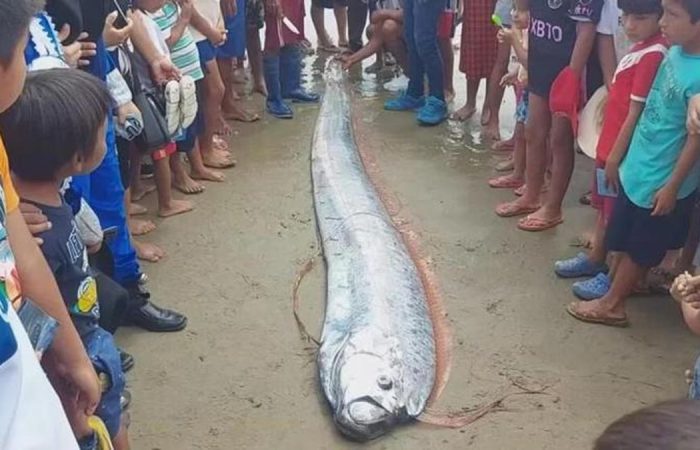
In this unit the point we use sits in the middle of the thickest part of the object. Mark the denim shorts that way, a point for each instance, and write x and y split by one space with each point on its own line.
207 52
694 389
105 358
522 107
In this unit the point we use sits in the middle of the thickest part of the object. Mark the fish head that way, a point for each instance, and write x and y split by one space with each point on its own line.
369 402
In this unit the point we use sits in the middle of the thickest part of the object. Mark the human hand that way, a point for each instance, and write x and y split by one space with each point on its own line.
126 110
113 35
694 115
76 54
186 9
229 8
163 70
664 201
505 36
612 174
509 79
217 37
36 221
685 290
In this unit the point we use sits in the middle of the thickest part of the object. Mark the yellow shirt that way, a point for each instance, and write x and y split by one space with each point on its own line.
11 200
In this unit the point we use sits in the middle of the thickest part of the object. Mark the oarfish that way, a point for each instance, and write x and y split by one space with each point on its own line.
377 355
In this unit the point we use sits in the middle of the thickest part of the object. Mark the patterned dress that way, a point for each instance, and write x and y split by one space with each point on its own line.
479 44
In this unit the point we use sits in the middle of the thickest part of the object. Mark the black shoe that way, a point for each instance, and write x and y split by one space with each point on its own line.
125 400
154 318
127 361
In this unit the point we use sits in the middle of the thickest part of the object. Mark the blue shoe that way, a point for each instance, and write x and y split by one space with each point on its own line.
404 102
433 113
593 288
290 77
578 266
275 105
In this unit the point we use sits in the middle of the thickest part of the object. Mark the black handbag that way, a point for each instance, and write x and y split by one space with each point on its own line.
151 103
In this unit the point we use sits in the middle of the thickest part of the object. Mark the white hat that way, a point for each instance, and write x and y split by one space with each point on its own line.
591 122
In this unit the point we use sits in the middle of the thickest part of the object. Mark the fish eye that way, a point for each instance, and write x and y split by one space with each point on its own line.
384 382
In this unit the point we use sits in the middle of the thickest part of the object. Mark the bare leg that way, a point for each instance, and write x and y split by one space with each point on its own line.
393 41
198 171
255 57
317 17
598 253
374 45
494 94
213 95
121 440
145 251
231 107
685 261
341 20
448 59
181 179
167 205
562 147
469 109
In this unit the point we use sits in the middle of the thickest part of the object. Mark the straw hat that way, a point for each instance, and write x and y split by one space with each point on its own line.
591 122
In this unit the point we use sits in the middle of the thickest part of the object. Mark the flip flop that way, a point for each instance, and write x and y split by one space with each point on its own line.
519 192
188 101
512 209
505 166
172 106
534 225
505 182
593 318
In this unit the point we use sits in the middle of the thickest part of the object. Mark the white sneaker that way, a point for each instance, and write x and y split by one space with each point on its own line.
172 106
188 101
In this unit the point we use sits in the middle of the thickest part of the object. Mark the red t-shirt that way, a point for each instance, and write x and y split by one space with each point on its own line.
633 79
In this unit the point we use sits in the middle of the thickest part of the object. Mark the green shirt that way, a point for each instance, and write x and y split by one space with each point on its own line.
184 52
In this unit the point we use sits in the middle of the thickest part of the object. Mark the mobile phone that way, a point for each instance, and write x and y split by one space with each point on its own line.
109 233
601 182
121 14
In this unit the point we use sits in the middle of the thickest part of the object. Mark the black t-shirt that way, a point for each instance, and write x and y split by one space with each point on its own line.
65 252
553 26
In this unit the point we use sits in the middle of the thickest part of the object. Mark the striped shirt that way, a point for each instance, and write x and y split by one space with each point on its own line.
184 52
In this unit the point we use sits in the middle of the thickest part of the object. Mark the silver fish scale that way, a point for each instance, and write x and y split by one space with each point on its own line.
376 305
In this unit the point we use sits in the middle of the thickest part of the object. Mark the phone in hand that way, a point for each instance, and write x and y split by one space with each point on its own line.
121 6
108 234
602 185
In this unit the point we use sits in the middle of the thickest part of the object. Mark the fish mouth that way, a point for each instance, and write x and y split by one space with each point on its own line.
364 419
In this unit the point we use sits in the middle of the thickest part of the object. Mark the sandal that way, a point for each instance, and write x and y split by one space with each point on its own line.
660 280
188 101
173 115
505 166
521 190
596 318
585 199
514 209
505 182
534 224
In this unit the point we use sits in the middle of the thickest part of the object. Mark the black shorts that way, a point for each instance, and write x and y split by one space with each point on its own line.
646 238
547 69
329 4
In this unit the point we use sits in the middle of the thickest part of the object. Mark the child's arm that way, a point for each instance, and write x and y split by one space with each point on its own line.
585 39
665 198
685 292
67 353
607 57
512 37
162 69
622 143
182 23
694 115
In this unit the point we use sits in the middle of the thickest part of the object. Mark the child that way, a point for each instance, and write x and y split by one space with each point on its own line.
33 127
27 397
174 93
517 39
630 87
561 40
173 21
282 57
667 425
659 175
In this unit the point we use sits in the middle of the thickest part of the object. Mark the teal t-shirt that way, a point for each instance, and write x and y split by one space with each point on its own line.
661 134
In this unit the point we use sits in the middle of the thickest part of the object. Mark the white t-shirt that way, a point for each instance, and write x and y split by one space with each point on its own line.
610 25
210 10
31 415
140 64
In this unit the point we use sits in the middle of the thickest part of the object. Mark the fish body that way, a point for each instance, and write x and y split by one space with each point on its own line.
377 356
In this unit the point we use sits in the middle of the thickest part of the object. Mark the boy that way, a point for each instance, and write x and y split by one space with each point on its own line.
560 43
659 175
629 89
32 127
28 401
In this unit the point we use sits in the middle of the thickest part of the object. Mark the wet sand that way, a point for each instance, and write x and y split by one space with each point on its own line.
241 377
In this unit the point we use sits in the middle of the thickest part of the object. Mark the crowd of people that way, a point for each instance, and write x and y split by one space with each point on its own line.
150 86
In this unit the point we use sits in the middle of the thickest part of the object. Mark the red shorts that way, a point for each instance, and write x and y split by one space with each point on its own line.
278 35
604 205
164 152
446 25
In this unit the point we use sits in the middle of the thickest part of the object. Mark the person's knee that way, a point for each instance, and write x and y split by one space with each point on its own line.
391 29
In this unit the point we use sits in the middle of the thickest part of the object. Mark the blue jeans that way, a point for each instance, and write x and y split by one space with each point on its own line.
694 390
424 58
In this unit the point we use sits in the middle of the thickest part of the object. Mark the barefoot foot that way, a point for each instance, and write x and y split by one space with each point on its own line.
140 227
185 184
208 175
175 207
464 113
140 193
148 252
137 210
238 113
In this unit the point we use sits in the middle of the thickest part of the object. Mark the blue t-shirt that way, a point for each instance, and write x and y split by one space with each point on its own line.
65 252
661 132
